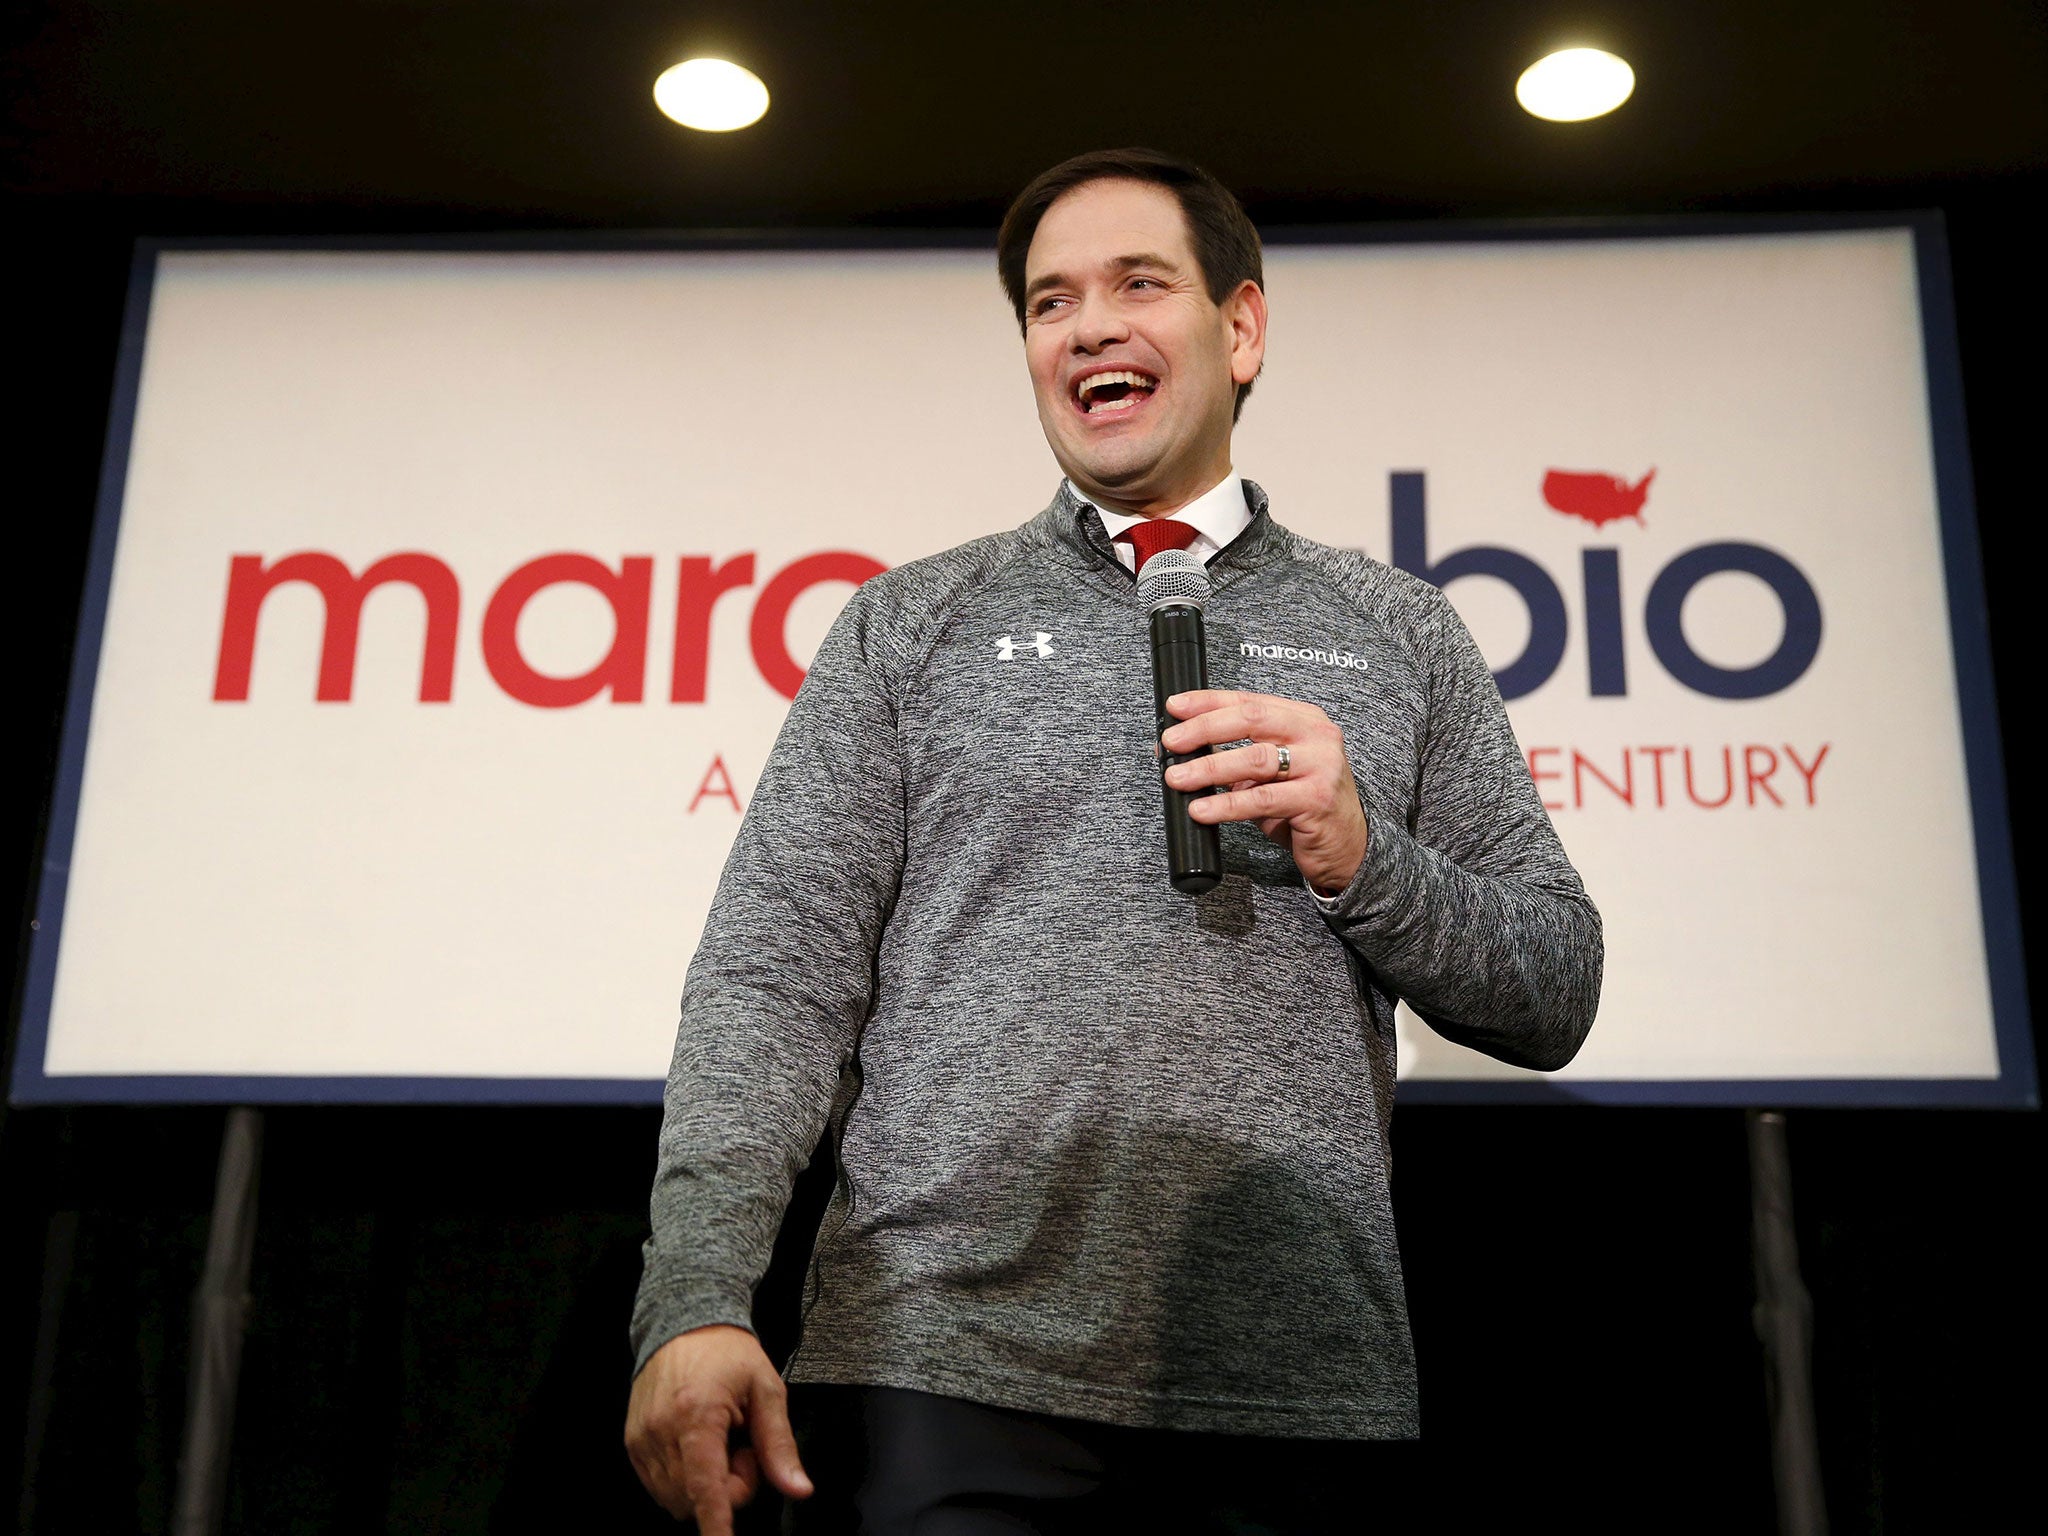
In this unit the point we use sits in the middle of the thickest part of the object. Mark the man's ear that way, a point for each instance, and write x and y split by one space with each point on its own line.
1244 311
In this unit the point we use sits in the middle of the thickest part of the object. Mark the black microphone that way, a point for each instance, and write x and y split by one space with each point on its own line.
1174 585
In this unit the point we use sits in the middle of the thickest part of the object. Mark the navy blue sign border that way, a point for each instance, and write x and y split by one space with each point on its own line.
2015 1086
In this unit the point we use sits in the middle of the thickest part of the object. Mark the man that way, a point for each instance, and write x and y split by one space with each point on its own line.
1111 1245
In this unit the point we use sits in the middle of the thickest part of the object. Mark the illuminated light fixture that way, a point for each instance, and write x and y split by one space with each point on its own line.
712 95
1573 85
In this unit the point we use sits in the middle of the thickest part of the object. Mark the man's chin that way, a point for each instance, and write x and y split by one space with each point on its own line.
1115 474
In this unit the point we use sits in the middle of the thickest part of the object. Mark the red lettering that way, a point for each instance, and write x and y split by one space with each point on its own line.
699 586
1540 775
624 667
1752 780
1806 772
1657 756
1727 775
768 633
342 594
1759 764
1625 791
717 785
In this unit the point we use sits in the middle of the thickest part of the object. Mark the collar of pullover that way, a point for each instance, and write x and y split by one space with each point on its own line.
1074 528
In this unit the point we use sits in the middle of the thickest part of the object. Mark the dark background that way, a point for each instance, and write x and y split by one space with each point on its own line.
437 1341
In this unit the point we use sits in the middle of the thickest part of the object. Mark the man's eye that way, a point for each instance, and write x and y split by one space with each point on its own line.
1047 305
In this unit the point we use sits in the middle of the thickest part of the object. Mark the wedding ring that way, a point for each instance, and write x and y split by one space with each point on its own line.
1286 760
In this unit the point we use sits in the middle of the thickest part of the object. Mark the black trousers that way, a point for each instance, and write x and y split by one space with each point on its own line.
890 1462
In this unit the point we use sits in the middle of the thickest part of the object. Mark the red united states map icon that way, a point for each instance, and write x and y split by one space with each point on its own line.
1598 498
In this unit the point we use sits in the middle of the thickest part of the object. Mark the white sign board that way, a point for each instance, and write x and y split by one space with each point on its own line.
445 603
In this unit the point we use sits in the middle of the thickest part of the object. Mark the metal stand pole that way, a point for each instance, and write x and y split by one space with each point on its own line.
220 1310
60 1251
1784 1326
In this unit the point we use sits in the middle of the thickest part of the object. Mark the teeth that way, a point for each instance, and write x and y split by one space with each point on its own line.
1096 381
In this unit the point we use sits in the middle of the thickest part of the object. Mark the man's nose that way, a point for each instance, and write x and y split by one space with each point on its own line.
1100 323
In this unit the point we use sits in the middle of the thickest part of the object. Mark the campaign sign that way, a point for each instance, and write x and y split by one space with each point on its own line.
445 601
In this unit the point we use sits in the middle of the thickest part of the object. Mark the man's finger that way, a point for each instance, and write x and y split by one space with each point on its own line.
705 1466
1258 762
745 1475
1271 801
1274 827
775 1442
713 1509
1226 722
653 1475
1255 717
1184 706
661 1467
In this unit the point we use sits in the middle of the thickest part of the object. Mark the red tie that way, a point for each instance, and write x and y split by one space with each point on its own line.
1150 535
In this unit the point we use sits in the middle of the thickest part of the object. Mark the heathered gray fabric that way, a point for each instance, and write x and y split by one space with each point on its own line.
1108 1151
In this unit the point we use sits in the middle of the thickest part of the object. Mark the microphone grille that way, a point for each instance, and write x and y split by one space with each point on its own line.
1173 576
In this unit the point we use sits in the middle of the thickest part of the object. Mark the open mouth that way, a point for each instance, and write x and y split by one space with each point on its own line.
1114 391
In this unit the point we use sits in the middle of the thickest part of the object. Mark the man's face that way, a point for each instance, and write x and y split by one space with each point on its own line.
1134 367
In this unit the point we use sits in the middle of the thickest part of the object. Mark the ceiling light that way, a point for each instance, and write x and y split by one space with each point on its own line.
1576 84
711 94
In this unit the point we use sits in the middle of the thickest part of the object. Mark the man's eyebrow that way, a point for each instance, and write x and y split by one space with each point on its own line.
1047 280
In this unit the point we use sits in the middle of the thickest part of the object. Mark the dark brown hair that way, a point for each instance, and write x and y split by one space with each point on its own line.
1225 243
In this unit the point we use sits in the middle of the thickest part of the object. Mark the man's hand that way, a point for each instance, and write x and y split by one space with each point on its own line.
689 1398
1313 812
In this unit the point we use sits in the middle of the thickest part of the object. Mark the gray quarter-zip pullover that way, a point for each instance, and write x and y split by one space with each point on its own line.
1106 1151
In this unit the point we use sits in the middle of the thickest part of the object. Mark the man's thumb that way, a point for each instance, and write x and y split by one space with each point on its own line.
775 1443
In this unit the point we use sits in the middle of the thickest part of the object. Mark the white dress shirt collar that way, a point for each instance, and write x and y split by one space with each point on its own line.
1218 515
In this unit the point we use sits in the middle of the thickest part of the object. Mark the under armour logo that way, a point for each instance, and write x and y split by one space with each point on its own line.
1006 648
